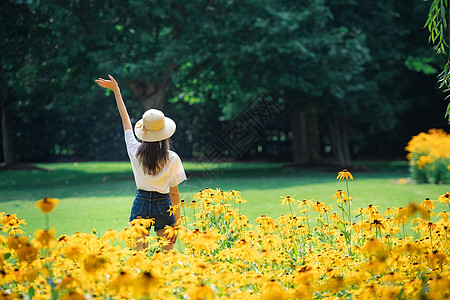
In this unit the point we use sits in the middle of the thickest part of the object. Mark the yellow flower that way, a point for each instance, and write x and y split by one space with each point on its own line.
374 246
110 235
11 224
340 194
344 174
27 253
389 212
443 215
74 252
172 209
47 204
318 206
194 204
444 198
45 238
428 204
93 262
16 242
335 218
68 282
171 231
235 194
140 224
304 203
202 292
288 200
144 283
377 224
72 295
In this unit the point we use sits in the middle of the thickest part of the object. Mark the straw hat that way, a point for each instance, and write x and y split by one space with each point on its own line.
154 126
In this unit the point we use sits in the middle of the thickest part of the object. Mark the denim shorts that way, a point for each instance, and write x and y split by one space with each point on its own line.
152 205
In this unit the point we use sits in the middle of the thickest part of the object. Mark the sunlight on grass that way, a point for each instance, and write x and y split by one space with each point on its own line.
99 194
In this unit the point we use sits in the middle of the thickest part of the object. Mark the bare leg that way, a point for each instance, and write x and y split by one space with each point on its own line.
140 245
172 242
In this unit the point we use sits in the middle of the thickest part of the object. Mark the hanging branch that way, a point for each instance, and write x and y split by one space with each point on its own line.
437 24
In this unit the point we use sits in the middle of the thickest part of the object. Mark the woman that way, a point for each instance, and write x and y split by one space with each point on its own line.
157 170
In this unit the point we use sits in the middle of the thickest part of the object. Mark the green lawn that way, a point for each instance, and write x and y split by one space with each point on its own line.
99 194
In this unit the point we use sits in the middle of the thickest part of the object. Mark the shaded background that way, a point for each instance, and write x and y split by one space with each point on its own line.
354 80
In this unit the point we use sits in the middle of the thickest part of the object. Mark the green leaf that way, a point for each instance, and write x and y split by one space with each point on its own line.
356 217
7 255
31 292
447 114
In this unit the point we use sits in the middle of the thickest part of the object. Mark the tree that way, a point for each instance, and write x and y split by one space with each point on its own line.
19 73
288 49
61 47
437 24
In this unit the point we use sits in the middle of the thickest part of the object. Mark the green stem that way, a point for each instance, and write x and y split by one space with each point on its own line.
431 238
47 222
184 213
309 224
404 233
348 191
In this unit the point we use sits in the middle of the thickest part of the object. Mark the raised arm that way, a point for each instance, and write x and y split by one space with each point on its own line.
114 86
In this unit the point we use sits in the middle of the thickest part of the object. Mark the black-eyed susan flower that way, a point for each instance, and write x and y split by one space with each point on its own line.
144 283
201 292
47 204
68 282
377 225
318 206
339 195
389 212
16 242
45 238
335 218
445 198
10 224
27 253
443 215
194 204
110 235
172 209
288 200
304 204
428 204
344 174
73 295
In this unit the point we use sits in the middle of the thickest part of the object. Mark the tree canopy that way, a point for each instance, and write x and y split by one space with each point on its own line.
347 73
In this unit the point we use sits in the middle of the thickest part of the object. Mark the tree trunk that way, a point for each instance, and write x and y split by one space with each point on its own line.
305 134
9 151
338 133
152 95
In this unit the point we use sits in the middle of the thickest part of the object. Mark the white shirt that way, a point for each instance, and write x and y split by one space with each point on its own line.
171 175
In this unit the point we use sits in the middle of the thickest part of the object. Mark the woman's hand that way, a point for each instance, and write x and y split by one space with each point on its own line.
113 86
108 84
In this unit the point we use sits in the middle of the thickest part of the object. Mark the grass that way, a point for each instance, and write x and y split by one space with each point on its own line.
99 194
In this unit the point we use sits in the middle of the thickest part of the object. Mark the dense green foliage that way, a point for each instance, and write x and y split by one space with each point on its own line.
355 79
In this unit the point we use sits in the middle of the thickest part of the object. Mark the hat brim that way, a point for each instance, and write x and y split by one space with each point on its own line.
155 135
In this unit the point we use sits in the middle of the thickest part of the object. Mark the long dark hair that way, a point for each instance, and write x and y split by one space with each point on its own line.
153 156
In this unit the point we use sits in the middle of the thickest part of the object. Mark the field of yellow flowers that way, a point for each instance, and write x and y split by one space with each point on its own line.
429 156
349 253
